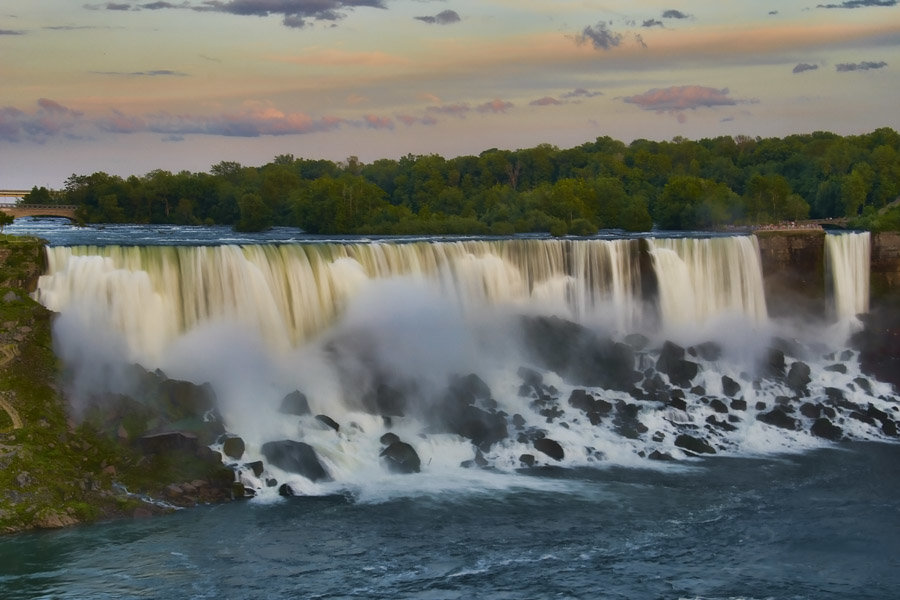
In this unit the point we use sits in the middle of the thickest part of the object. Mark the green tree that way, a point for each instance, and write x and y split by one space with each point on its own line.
255 214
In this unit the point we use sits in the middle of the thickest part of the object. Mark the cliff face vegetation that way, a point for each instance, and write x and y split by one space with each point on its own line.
55 472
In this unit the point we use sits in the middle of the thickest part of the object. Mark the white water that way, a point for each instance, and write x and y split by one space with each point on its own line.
847 256
261 321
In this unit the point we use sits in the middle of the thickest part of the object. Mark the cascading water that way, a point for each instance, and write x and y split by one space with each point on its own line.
847 256
503 353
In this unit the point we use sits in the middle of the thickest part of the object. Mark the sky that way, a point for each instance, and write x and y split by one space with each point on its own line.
132 86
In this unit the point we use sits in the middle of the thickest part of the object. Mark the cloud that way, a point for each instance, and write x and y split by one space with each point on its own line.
376 122
11 32
119 122
545 101
800 68
675 14
600 37
860 66
410 120
295 13
48 120
859 4
445 17
494 106
161 5
652 23
108 6
253 120
156 73
677 99
453 110
581 93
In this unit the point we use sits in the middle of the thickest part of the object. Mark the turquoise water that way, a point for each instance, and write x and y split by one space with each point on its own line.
818 525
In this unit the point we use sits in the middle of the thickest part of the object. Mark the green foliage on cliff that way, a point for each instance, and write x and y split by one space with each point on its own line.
679 184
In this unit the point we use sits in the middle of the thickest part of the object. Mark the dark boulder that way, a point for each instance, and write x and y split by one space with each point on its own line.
824 428
693 444
579 355
295 457
718 406
723 425
773 363
709 351
296 404
778 418
730 387
671 362
169 441
798 377
813 411
837 368
328 422
661 456
286 491
738 404
863 384
889 428
668 354
527 460
550 447
637 341
470 386
862 417
482 427
256 467
233 447
389 438
530 376
400 457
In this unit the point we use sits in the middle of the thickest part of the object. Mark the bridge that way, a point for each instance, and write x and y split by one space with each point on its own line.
39 210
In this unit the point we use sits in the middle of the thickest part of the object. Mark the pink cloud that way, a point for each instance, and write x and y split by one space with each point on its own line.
545 101
495 106
49 119
677 99
376 122
454 110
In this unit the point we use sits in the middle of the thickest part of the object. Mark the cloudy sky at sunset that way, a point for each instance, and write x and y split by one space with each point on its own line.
131 86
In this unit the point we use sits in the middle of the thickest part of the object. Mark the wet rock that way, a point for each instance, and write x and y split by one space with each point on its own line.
256 467
723 425
518 421
824 428
389 438
550 447
578 354
778 418
286 491
328 422
483 428
718 406
837 368
889 427
295 457
679 403
469 389
798 377
730 387
862 417
658 436
738 404
697 390
693 444
709 351
637 341
400 457
661 456
527 460
233 447
875 413
671 362
864 384
813 411
169 441
774 364
296 404
530 376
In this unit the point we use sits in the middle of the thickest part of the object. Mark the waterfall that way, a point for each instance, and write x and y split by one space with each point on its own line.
292 292
703 278
847 256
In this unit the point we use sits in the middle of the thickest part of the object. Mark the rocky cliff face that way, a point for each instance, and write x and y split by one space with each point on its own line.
885 265
793 266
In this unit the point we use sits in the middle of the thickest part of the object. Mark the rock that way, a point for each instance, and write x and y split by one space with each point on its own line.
824 428
296 404
328 422
708 351
798 377
233 447
518 421
778 418
579 355
718 406
738 404
285 491
530 376
51 519
389 438
527 460
637 341
671 362
773 364
679 403
668 354
813 411
723 425
256 467
876 413
862 417
170 441
173 491
837 368
889 428
550 447
400 457
697 390
730 387
23 479
482 427
693 444
471 385
658 436
662 456
863 384
295 457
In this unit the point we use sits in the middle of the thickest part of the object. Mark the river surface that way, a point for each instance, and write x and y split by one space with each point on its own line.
790 517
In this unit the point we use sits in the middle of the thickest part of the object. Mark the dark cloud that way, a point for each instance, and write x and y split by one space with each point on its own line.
859 4
677 99
652 23
108 6
581 93
295 13
48 120
800 68
161 5
773 12
445 17
600 36
675 14
860 66
494 106
545 101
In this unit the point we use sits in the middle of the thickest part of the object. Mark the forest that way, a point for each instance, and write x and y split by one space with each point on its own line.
711 183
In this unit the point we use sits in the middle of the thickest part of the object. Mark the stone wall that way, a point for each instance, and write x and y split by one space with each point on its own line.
885 265
793 266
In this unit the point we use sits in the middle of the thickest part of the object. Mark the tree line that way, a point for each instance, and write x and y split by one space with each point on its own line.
675 185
